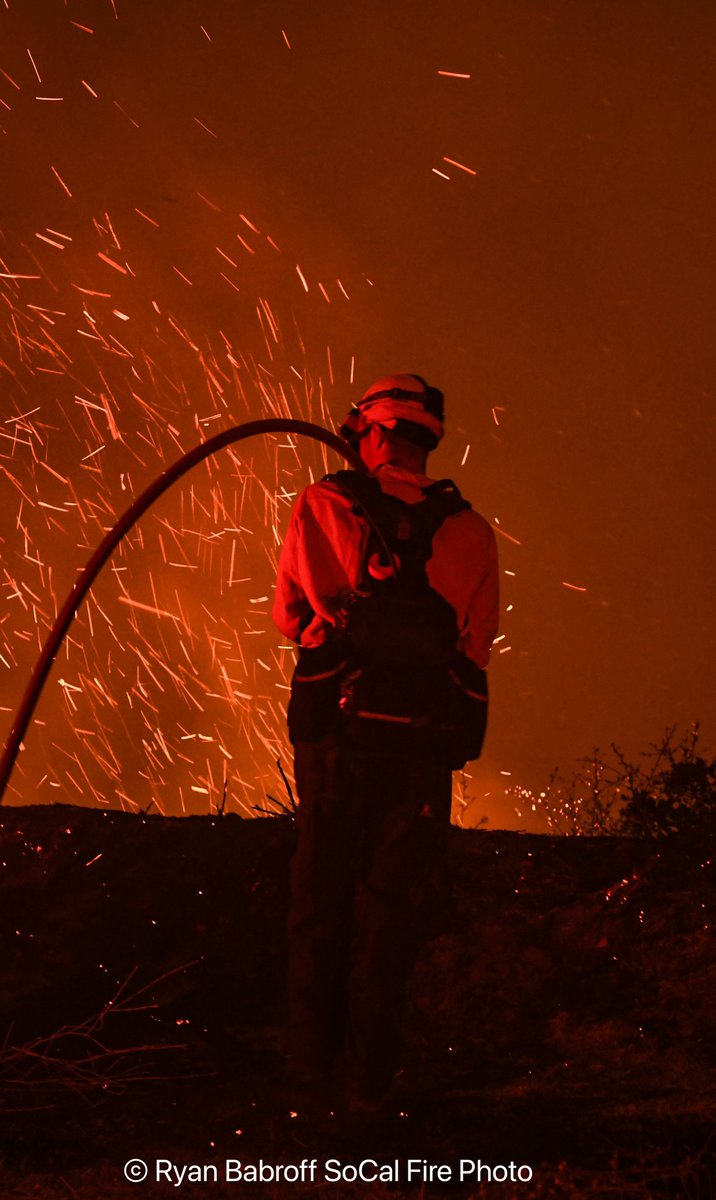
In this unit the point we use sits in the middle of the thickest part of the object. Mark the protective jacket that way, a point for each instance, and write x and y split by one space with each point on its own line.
322 564
322 561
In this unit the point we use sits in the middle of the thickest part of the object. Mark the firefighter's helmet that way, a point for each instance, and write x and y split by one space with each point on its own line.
398 402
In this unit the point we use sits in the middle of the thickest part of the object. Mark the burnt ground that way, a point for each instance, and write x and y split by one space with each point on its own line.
562 1015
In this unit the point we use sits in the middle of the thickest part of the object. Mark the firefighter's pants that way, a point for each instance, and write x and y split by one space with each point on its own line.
366 877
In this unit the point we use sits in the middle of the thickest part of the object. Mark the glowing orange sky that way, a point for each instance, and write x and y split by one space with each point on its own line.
255 206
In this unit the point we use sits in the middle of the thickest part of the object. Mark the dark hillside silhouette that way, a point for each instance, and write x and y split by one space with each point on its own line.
561 1016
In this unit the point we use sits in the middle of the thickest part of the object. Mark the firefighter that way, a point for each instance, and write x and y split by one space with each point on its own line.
388 583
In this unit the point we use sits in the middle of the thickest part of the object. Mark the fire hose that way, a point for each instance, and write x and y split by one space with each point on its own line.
109 543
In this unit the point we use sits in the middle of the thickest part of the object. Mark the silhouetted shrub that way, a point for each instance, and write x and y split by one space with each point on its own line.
672 790
678 794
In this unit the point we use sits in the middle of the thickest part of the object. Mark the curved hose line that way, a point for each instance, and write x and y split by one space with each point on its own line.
89 573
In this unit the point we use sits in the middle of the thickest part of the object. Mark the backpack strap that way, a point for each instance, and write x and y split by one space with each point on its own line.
402 528
358 484
369 503
440 499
